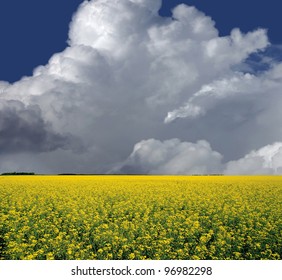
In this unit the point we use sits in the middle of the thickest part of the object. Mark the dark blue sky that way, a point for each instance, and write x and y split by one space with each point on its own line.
31 31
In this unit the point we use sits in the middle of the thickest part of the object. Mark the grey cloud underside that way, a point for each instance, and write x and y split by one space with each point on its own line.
22 128
130 75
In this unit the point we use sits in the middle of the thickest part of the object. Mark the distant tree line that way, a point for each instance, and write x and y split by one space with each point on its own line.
17 173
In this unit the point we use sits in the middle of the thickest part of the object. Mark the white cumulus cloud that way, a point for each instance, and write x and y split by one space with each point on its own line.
171 157
267 160
175 157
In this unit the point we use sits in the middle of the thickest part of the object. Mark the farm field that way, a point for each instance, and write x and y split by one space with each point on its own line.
140 217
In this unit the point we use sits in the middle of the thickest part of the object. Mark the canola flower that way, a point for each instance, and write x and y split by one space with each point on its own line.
140 217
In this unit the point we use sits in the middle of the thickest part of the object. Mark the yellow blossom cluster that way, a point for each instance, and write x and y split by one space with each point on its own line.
140 217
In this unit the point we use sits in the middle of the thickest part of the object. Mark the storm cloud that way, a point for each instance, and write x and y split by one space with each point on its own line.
22 128
135 92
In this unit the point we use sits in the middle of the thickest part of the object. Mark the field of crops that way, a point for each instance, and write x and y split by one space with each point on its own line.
140 217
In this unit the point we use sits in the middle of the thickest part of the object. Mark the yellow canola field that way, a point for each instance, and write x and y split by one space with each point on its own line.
140 217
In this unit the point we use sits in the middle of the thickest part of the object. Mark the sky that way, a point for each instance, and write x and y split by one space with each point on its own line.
141 86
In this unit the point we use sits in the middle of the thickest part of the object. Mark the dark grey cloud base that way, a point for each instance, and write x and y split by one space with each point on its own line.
22 129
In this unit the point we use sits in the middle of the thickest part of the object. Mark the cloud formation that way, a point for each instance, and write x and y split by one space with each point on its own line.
267 160
171 157
210 95
175 157
23 129
129 75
